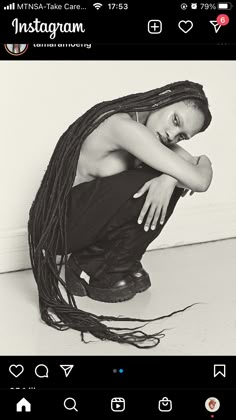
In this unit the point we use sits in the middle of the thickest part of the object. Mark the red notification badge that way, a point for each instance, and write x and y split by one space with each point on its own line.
222 20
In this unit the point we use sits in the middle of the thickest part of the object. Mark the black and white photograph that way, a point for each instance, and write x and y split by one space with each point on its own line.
118 223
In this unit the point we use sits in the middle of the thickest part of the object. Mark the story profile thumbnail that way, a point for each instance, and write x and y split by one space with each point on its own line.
16 49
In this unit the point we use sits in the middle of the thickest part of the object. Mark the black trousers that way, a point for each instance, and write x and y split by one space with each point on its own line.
102 229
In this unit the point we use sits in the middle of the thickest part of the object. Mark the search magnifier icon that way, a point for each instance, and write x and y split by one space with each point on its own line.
70 404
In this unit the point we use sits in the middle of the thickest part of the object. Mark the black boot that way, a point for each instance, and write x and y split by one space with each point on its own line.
112 289
140 277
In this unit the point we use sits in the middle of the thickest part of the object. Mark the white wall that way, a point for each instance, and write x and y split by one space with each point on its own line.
39 100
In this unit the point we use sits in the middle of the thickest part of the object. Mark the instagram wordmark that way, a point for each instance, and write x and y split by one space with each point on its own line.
52 28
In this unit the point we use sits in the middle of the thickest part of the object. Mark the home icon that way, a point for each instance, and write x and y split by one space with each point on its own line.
23 405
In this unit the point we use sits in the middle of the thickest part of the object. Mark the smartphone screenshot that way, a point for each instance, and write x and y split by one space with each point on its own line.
118 203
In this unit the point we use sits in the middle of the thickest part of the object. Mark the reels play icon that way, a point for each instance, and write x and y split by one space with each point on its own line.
118 404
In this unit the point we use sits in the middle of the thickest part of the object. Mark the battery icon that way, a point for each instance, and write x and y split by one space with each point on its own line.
224 6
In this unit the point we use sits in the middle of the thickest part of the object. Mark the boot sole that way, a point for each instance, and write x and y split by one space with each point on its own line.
79 287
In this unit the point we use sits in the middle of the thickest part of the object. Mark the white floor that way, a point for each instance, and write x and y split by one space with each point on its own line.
204 273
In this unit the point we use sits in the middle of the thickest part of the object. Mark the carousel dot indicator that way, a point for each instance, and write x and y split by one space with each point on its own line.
114 370
121 370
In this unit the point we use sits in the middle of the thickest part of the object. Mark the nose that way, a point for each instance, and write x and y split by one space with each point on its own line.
172 136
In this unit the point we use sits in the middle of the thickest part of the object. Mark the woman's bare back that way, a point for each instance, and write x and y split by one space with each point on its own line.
98 156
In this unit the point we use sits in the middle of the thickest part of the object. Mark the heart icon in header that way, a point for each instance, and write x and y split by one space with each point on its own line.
16 370
185 25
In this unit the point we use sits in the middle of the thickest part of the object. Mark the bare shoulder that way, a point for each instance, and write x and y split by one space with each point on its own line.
115 128
120 124
103 138
119 117
113 122
124 129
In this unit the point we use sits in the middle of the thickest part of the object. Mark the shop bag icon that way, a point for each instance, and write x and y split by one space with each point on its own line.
164 405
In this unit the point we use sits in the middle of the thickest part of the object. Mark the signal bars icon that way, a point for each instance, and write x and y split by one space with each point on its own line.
97 5
10 7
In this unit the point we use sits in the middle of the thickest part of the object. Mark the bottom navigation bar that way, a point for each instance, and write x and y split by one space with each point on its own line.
207 404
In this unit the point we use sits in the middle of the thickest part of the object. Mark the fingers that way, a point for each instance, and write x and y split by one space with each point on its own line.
149 218
162 211
142 190
163 214
143 211
184 192
155 218
155 205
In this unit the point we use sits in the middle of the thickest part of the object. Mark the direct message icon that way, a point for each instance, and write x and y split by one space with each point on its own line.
67 369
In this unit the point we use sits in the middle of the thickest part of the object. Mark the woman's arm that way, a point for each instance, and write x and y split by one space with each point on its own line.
194 160
140 142
184 154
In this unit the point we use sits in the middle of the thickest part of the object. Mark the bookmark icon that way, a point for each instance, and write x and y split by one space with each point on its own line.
220 370
67 369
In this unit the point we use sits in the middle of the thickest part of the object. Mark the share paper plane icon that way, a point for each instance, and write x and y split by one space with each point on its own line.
216 25
67 369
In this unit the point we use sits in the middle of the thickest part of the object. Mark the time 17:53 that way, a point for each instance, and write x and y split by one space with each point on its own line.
118 6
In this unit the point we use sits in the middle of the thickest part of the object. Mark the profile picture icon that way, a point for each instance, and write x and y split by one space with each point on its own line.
16 49
212 404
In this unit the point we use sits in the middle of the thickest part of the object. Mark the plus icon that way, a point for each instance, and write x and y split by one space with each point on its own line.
155 26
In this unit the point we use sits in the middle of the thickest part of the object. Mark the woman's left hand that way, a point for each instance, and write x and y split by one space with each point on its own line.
159 191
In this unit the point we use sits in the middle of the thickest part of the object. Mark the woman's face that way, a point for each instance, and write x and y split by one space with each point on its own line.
175 122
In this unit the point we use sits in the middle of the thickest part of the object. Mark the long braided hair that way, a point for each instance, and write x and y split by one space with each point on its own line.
47 217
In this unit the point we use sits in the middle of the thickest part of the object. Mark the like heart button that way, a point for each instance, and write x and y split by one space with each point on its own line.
185 25
16 370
